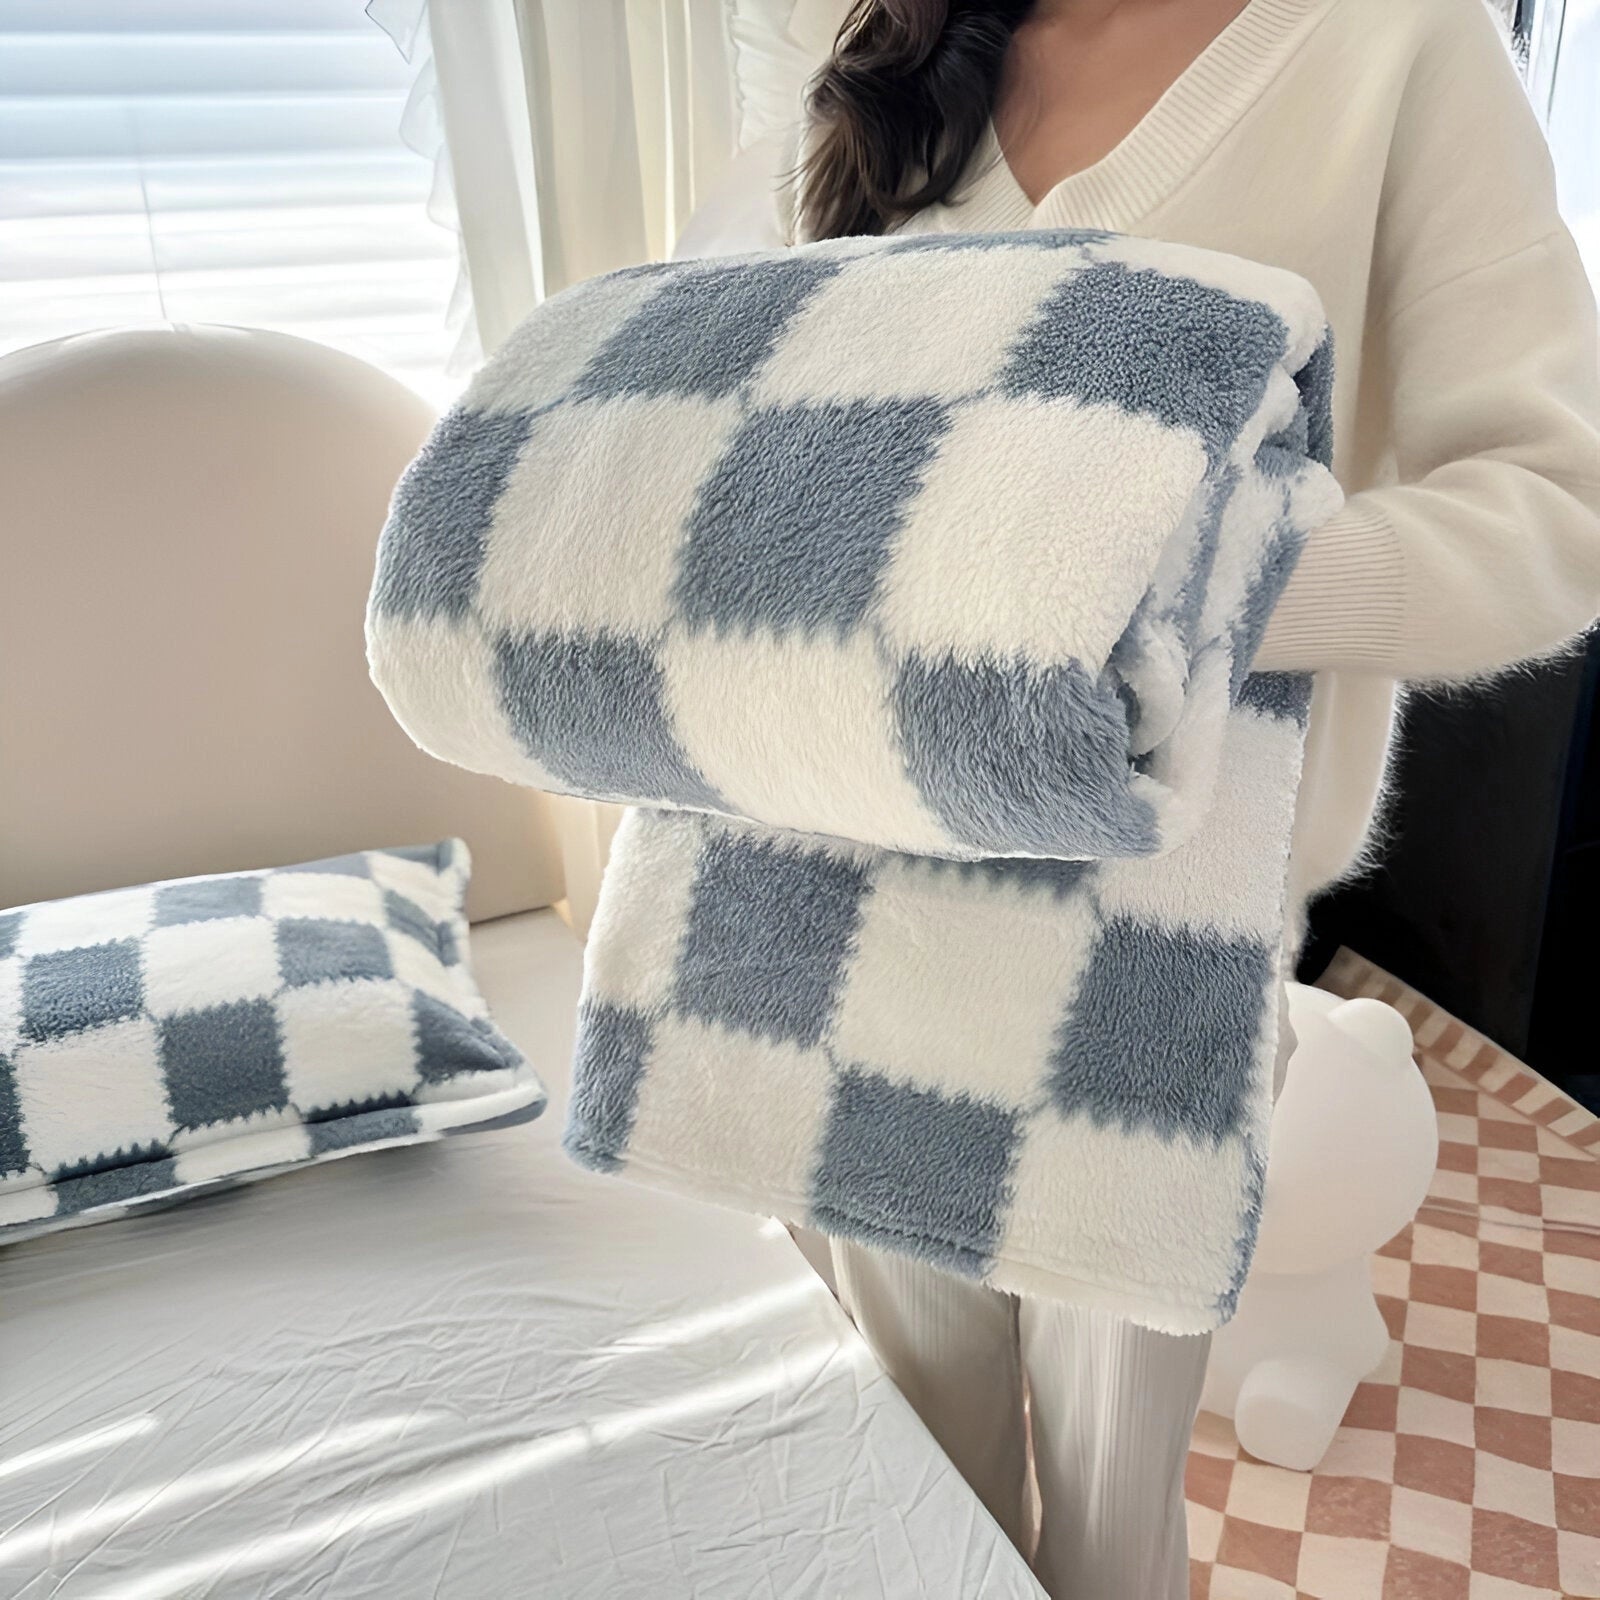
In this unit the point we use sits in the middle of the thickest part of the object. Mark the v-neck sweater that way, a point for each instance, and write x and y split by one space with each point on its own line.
1388 153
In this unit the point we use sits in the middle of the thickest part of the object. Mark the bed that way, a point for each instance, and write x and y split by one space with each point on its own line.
462 1370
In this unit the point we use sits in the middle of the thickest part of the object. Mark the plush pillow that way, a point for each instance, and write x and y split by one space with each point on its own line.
161 1039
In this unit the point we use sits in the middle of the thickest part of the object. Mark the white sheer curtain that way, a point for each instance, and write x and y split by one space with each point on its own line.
581 136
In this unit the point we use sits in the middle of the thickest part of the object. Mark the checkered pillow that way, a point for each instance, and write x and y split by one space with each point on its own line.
159 1039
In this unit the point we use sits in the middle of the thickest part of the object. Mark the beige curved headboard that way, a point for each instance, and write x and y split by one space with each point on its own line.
187 527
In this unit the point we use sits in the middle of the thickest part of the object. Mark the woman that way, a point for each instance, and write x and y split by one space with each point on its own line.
1387 153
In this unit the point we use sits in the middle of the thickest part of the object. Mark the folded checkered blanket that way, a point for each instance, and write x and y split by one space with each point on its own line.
912 586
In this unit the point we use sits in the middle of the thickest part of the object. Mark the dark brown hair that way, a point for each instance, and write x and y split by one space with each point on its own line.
899 108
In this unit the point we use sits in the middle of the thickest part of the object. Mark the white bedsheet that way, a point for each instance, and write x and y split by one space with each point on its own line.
463 1370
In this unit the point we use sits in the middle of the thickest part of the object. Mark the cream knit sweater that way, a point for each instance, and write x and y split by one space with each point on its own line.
1385 150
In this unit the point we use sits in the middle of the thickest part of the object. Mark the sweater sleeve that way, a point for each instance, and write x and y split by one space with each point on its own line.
1485 549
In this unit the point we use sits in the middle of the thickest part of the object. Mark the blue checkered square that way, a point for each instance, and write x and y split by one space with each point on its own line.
1189 354
67 991
428 566
614 1043
793 528
85 1191
661 348
13 1147
349 866
1016 758
319 950
912 1170
769 932
206 900
223 1062
590 708
407 917
445 1038
375 1125
1162 1034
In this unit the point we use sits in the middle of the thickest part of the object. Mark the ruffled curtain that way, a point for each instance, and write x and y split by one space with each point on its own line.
422 130
567 139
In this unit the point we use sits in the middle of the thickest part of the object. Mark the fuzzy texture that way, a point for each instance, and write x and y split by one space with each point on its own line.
929 572
160 1040
920 543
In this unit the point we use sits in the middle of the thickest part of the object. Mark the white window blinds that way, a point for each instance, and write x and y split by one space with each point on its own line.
233 161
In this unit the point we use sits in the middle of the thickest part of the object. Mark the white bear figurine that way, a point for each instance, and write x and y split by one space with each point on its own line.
1354 1144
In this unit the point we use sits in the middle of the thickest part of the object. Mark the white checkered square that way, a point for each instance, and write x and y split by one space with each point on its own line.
1000 936
191 965
1575 1447
323 896
420 876
1341 1569
1429 1415
89 920
1513 1386
463 705
828 774
417 967
1068 1170
1573 1350
679 1107
92 1093
600 471
652 869
1057 575
1272 1499
978 310
1216 879
376 1055
273 1140
1578 1556
1579 1208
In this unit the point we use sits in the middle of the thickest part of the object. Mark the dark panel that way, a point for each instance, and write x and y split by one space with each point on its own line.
1486 837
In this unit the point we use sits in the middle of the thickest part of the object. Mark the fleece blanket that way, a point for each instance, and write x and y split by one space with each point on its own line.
911 586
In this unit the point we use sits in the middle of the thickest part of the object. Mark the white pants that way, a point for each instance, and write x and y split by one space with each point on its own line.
1111 1408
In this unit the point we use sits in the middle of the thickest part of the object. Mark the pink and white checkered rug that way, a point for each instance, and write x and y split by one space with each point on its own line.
1468 1465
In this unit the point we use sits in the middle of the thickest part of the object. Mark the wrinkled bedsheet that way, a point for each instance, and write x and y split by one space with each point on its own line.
467 1370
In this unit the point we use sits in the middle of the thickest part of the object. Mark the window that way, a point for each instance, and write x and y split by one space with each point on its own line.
234 161
1564 72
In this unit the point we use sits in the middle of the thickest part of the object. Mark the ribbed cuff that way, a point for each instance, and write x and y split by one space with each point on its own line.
1344 606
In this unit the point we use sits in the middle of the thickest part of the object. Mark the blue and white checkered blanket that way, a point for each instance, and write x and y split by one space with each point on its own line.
912 586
